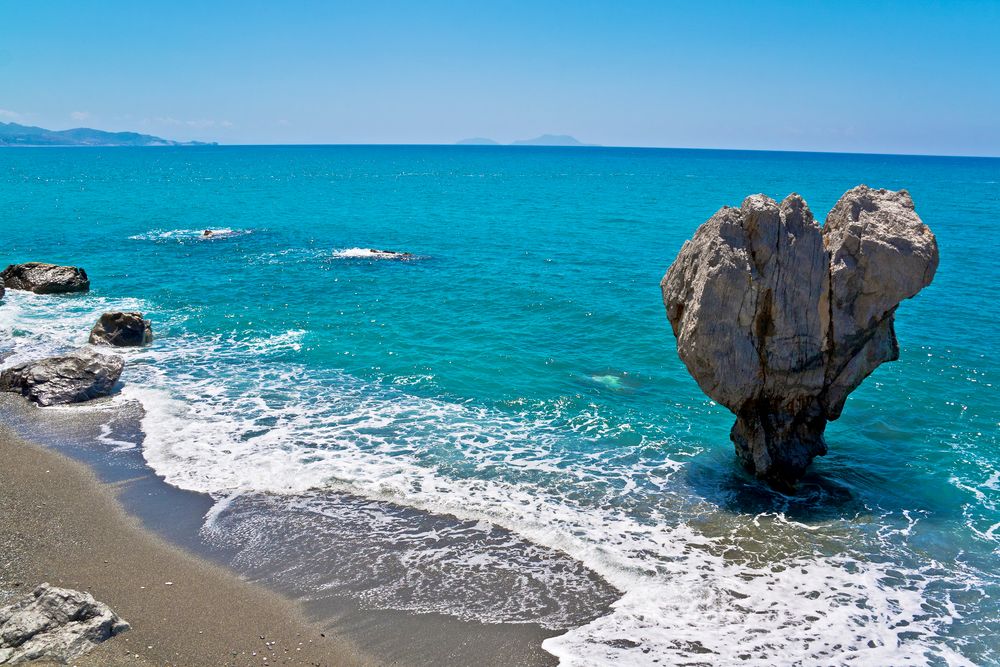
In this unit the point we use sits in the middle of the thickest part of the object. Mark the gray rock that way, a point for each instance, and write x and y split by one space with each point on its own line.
55 624
779 320
78 376
122 330
45 278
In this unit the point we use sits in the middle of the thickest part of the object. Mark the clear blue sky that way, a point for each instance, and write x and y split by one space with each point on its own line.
900 77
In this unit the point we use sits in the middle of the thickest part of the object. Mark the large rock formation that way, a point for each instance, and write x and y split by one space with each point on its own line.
78 376
55 624
779 320
122 330
45 278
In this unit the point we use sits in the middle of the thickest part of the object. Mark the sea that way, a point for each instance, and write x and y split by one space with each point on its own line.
500 418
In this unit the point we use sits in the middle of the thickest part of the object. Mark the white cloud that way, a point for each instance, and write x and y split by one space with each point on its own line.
79 115
9 115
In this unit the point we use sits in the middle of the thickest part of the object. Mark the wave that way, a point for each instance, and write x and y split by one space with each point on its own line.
183 235
373 253
234 414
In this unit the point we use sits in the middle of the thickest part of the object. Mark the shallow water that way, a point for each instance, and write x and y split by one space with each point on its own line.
519 374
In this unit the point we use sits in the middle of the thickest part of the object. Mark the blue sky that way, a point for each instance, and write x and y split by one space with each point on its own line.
898 77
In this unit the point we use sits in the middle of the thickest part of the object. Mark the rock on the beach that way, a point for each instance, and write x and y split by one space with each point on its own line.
122 330
2 285
45 278
779 319
78 376
55 624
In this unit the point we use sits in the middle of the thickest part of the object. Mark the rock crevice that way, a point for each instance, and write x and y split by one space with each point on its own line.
779 319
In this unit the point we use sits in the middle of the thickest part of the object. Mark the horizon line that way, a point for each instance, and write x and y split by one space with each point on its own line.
217 144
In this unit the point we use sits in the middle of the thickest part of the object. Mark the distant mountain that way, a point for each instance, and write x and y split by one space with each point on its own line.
477 141
544 140
12 134
549 140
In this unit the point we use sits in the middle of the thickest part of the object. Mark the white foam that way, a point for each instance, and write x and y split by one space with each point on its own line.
189 234
372 253
221 418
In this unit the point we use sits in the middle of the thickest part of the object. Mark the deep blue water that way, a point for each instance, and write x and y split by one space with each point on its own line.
521 372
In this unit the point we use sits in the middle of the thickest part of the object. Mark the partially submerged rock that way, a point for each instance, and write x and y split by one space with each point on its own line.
55 624
78 376
779 320
122 330
374 253
1 288
45 278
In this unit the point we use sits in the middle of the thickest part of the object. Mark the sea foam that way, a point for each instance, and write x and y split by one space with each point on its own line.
231 415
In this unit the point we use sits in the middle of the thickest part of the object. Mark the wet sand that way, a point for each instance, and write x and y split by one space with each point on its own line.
59 524
76 513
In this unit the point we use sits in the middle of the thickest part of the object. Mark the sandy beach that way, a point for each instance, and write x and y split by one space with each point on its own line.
59 524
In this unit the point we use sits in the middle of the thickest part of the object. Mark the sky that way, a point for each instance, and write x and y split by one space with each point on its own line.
876 77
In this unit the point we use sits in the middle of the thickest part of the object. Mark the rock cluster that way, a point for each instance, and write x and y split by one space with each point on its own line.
779 319
78 376
55 624
45 278
122 330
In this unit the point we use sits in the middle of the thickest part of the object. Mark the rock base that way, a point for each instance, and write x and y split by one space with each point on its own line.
778 447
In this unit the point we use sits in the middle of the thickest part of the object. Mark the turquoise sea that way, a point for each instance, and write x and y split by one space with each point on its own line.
519 375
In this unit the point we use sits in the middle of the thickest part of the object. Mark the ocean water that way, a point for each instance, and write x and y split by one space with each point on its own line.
516 381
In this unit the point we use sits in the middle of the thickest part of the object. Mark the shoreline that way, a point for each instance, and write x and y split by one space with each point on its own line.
144 522
61 525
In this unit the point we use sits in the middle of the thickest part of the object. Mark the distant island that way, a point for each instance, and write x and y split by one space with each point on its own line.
477 141
544 140
12 134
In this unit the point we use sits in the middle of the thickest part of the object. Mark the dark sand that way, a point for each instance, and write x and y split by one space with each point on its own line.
59 524
76 514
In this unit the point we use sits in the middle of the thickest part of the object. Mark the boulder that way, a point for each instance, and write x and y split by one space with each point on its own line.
55 624
122 330
779 319
78 376
45 278
1 288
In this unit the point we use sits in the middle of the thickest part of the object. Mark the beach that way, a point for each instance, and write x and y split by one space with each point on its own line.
60 525
76 518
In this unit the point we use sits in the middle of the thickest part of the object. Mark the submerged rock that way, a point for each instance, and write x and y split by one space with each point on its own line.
55 624
78 376
122 330
374 253
779 320
45 278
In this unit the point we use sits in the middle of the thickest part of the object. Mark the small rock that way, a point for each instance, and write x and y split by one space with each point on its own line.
56 624
122 330
78 376
43 278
